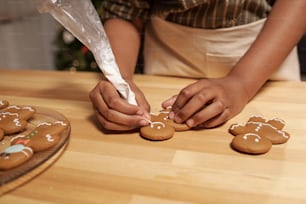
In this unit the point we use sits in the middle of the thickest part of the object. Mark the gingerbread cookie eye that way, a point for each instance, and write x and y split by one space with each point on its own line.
157 131
14 155
251 143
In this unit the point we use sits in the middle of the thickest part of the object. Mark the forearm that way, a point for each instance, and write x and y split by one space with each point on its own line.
125 41
281 32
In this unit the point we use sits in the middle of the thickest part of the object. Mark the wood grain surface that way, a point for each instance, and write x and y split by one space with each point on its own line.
192 167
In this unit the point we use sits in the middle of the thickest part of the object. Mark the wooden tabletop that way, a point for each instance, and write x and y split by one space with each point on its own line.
192 167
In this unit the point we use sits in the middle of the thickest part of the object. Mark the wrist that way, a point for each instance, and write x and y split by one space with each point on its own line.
242 85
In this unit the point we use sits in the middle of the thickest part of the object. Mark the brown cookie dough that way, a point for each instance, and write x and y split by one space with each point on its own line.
251 143
157 131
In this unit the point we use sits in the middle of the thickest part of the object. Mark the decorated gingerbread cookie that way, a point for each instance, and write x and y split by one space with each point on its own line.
43 137
157 131
14 156
161 127
251 143
271 129
260 128
24 134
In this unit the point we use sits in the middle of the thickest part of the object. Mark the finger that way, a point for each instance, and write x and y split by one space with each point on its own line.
115 115
209 112
195 104
111 118
219 120
187 93
114 101
144 106
169 102
109 125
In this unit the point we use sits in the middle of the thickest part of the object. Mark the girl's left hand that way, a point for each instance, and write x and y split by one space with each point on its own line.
208 103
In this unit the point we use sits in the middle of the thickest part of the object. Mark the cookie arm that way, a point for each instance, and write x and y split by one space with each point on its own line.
283 29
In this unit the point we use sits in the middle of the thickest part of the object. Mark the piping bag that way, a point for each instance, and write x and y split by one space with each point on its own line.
81 19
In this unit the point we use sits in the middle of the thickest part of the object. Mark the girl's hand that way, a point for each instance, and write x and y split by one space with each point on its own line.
114 112
208 103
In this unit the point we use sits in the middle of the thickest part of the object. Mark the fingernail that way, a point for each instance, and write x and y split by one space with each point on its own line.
147 115
171 115
143 122
190 122
139 112
177 119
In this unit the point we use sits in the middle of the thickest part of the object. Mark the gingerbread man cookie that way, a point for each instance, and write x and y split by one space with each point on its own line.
14 155
161 127
157 131
261 130
271 129
43 137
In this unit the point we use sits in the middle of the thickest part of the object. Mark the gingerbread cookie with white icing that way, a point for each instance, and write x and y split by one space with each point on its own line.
43 137
251 143
14 156
261 130
271 129
157 131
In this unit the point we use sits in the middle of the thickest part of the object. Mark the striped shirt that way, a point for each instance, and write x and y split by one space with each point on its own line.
209 14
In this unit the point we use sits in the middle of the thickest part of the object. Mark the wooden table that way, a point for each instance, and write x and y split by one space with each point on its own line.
192 167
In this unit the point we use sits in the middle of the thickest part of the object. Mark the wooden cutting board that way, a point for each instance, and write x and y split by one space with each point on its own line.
11 179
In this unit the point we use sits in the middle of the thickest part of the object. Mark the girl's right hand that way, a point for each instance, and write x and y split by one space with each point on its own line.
114 112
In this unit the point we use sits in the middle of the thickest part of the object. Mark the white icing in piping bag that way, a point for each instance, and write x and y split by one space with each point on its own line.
82 20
